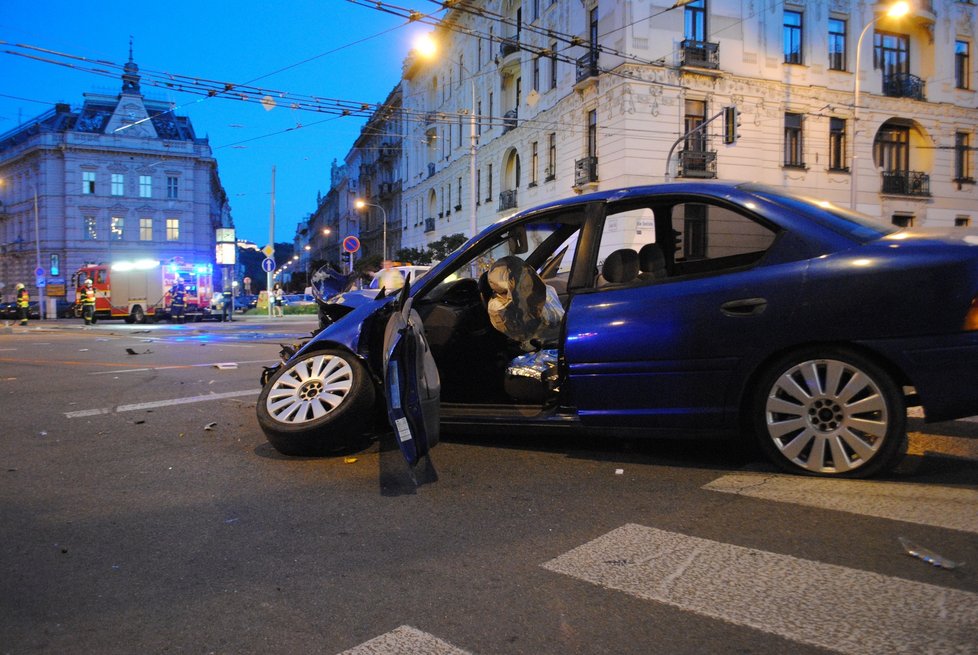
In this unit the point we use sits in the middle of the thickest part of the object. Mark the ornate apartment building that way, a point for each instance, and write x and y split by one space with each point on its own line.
121 178
529 101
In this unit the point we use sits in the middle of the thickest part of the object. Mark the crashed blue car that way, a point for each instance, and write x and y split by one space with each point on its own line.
678 310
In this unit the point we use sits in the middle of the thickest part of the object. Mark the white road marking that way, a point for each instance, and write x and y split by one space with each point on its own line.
943 507
167 368
834 607
405 640
160 403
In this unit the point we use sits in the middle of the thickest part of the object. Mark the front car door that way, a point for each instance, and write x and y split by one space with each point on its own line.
411 381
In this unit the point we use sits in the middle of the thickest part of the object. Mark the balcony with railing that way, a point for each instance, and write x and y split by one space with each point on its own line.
585 171
697 163
699 54
903 85
509 45
507 199
429 224
587 66
509 120
906 183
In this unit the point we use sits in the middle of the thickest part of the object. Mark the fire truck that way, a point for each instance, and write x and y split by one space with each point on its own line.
139 291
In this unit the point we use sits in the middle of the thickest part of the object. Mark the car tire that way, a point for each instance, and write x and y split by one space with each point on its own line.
299 418
830 413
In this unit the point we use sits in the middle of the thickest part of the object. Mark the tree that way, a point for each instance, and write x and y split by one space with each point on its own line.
435 252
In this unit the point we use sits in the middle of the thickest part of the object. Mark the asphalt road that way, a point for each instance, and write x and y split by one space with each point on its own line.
142 511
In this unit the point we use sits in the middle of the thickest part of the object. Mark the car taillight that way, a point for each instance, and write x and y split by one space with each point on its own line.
971 318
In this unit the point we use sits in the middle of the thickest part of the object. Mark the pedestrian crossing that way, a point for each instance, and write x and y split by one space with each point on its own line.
838 608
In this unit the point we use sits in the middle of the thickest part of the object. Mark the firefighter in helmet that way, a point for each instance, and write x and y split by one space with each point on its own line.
177 300
23 302
88 302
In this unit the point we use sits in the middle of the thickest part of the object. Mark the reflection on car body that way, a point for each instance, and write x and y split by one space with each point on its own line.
688 309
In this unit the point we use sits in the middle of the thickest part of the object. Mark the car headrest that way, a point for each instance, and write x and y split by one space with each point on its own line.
620 266
651 260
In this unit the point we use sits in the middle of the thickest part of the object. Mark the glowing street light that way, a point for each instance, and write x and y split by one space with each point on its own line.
896 10
360 203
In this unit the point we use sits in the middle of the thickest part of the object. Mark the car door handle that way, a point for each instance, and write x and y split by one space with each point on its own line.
744 307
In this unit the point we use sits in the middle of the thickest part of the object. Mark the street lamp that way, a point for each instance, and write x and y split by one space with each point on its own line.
363 204
427 48
896 10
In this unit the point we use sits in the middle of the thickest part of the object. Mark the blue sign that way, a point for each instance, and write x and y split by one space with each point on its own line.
268 265
38 271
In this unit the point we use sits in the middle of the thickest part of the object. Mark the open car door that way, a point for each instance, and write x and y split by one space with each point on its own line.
411 381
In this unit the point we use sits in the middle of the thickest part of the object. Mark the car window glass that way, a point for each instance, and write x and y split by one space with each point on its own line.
627 230
711 238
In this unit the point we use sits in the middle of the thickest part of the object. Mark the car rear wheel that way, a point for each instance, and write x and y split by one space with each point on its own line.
316 404
830 413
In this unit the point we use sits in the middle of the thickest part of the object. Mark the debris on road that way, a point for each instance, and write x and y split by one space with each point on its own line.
929 556
210 426
224 366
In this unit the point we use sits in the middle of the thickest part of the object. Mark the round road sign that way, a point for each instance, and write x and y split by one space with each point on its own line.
268 264
351 244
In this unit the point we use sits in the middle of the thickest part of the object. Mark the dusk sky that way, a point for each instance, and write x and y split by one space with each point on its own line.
328 48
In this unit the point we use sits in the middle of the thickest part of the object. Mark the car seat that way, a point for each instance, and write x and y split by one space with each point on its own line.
652 262
620 267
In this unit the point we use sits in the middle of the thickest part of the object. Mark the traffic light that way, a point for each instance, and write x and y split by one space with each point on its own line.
346 257
731 124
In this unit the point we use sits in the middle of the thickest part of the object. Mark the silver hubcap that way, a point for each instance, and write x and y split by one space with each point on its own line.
309 390
826 416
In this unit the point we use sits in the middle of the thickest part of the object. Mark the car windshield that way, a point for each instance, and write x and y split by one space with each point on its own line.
855 225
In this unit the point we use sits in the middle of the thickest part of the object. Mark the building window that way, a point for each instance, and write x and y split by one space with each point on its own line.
962 221
592 133
489 184
891 53
536 73
478 115
793 152
962 157
553 65
478 187
792 37
837 144
459 205
118 184
695 115
902 220
88 182
891 149
534 163
695 20
172 187
551 157
145 186
172 229
837 44
145 229
91 228
116 226
962 64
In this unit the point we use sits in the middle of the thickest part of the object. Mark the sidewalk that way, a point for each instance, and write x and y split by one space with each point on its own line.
301 322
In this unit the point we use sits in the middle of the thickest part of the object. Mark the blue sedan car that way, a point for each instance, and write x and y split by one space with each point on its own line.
679 310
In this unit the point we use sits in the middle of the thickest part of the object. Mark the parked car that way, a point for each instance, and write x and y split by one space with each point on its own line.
680 310
333 307
298 299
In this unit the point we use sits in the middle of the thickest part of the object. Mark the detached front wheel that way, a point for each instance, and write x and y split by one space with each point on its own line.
832 413
316 403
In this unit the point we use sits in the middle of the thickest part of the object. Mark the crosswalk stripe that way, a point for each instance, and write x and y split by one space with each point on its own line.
405 640
835 607
943 507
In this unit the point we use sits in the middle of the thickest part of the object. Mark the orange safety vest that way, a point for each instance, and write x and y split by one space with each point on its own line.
23 300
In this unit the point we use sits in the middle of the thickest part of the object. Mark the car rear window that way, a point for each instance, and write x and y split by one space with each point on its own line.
855 225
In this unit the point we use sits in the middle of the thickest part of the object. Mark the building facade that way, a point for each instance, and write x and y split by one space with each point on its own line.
121 178
562 97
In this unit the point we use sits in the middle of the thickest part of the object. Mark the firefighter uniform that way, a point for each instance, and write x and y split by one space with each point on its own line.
177 301
88 303
23 303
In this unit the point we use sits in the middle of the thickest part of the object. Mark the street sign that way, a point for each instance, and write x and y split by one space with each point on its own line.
41 282
351 244
268 265
38 272
269 250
